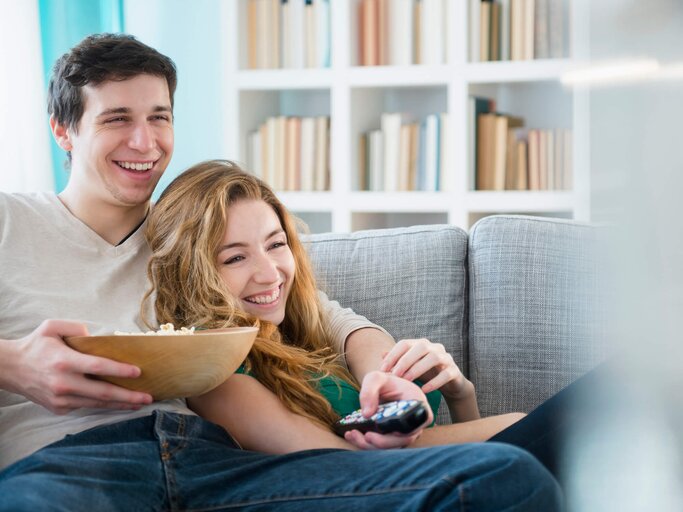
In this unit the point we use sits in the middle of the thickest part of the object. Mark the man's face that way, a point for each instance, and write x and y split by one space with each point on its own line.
124 140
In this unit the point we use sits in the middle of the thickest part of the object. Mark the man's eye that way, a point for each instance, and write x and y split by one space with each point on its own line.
115 120
161 118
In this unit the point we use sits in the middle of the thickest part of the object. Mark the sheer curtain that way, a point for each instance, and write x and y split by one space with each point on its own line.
24 136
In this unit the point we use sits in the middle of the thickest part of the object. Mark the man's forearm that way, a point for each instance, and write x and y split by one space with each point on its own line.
365 348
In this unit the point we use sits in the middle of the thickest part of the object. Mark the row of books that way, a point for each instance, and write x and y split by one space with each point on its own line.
288 34
291 153
518 29
404 155
401 32
508 156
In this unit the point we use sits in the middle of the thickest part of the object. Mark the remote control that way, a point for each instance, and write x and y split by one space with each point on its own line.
403 416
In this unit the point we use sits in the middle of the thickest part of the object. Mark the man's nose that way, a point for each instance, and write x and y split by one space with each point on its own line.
142 138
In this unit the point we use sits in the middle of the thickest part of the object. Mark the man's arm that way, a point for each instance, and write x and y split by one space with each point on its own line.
42 368
258 420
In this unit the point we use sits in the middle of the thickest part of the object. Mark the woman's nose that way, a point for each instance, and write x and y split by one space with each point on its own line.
266 270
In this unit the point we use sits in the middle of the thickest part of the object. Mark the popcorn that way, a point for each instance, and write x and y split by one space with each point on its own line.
164 330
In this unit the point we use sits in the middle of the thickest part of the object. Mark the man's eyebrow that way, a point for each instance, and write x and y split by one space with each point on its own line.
242 244
126 110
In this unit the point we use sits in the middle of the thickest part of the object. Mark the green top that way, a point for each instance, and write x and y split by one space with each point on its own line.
344 398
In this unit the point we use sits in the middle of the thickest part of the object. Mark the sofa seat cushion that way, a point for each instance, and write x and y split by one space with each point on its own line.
411 281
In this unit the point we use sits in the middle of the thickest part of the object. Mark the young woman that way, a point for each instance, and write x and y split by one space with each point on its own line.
226 253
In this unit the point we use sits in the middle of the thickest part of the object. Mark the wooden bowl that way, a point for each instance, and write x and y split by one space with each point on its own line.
173 366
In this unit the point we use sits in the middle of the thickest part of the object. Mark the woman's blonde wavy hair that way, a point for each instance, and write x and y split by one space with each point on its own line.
185 229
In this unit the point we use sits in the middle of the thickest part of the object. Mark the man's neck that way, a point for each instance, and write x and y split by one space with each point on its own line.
114 223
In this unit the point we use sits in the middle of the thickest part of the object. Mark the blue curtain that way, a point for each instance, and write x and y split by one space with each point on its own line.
63 23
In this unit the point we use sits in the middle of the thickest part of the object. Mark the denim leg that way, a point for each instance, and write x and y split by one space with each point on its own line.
183 463
203 475
116 467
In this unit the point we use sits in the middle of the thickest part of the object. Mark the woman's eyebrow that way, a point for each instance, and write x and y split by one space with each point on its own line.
243 244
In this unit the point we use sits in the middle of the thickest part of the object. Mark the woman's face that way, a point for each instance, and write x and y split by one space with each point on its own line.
255 261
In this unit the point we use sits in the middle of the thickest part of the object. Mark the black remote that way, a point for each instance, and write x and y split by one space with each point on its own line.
403 416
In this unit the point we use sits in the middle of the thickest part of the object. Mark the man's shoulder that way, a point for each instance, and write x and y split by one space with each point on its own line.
22 200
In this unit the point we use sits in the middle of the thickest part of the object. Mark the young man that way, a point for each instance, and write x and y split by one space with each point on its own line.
68 441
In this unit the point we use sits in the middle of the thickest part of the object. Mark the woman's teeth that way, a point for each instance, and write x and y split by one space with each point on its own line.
265 299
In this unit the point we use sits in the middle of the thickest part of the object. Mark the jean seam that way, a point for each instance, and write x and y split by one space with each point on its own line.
312 497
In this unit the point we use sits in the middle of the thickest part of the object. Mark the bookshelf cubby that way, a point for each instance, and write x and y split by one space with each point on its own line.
355 97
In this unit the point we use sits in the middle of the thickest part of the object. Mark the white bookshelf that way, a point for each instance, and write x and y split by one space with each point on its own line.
355 96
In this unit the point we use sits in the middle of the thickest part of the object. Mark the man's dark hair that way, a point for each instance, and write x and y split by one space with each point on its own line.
96 59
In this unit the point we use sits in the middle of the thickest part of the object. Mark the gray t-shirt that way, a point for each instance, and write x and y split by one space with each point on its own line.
53 266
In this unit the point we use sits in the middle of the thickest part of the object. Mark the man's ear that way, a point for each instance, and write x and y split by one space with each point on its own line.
61 134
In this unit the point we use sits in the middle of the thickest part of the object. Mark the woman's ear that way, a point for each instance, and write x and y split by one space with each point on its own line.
61 134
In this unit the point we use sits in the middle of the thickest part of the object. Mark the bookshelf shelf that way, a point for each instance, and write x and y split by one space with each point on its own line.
512 71
282 79
355 97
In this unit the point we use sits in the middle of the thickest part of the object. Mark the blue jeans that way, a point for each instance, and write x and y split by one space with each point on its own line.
169 461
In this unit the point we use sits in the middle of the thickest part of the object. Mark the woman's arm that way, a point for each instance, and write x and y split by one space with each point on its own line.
258 421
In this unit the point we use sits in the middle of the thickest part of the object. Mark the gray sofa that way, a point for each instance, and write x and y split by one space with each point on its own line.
519 301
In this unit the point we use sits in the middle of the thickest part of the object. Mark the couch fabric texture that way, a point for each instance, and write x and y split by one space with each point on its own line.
518 301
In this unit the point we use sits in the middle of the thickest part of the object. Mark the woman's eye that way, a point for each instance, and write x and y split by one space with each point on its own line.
232 260
277 245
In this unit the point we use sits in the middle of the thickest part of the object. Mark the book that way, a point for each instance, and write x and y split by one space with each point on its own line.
310 37
475 107
517 29
499 143
494 32
286 39
543 159
484 31
280 176
391 134
541 35
296 34
369 28
322 154
252 35
307 155
504 29
474 27
274 36
404 160
529 25
558 140
414 156
292 153
533 160
254 154
322 33
557 43
445 181
486 133
567 168
270 166
432 152
376 167
522 166
432 32
400 27
382 38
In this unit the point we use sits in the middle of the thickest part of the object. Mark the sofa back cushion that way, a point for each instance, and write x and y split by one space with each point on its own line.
536 308
411 281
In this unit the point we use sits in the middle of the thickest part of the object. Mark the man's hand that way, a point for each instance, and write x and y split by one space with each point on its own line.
379 387
42 368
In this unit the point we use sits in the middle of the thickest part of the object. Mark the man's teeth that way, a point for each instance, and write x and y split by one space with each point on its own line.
265 299
136 166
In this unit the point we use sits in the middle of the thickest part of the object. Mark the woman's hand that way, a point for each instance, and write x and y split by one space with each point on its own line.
379 387
421 359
